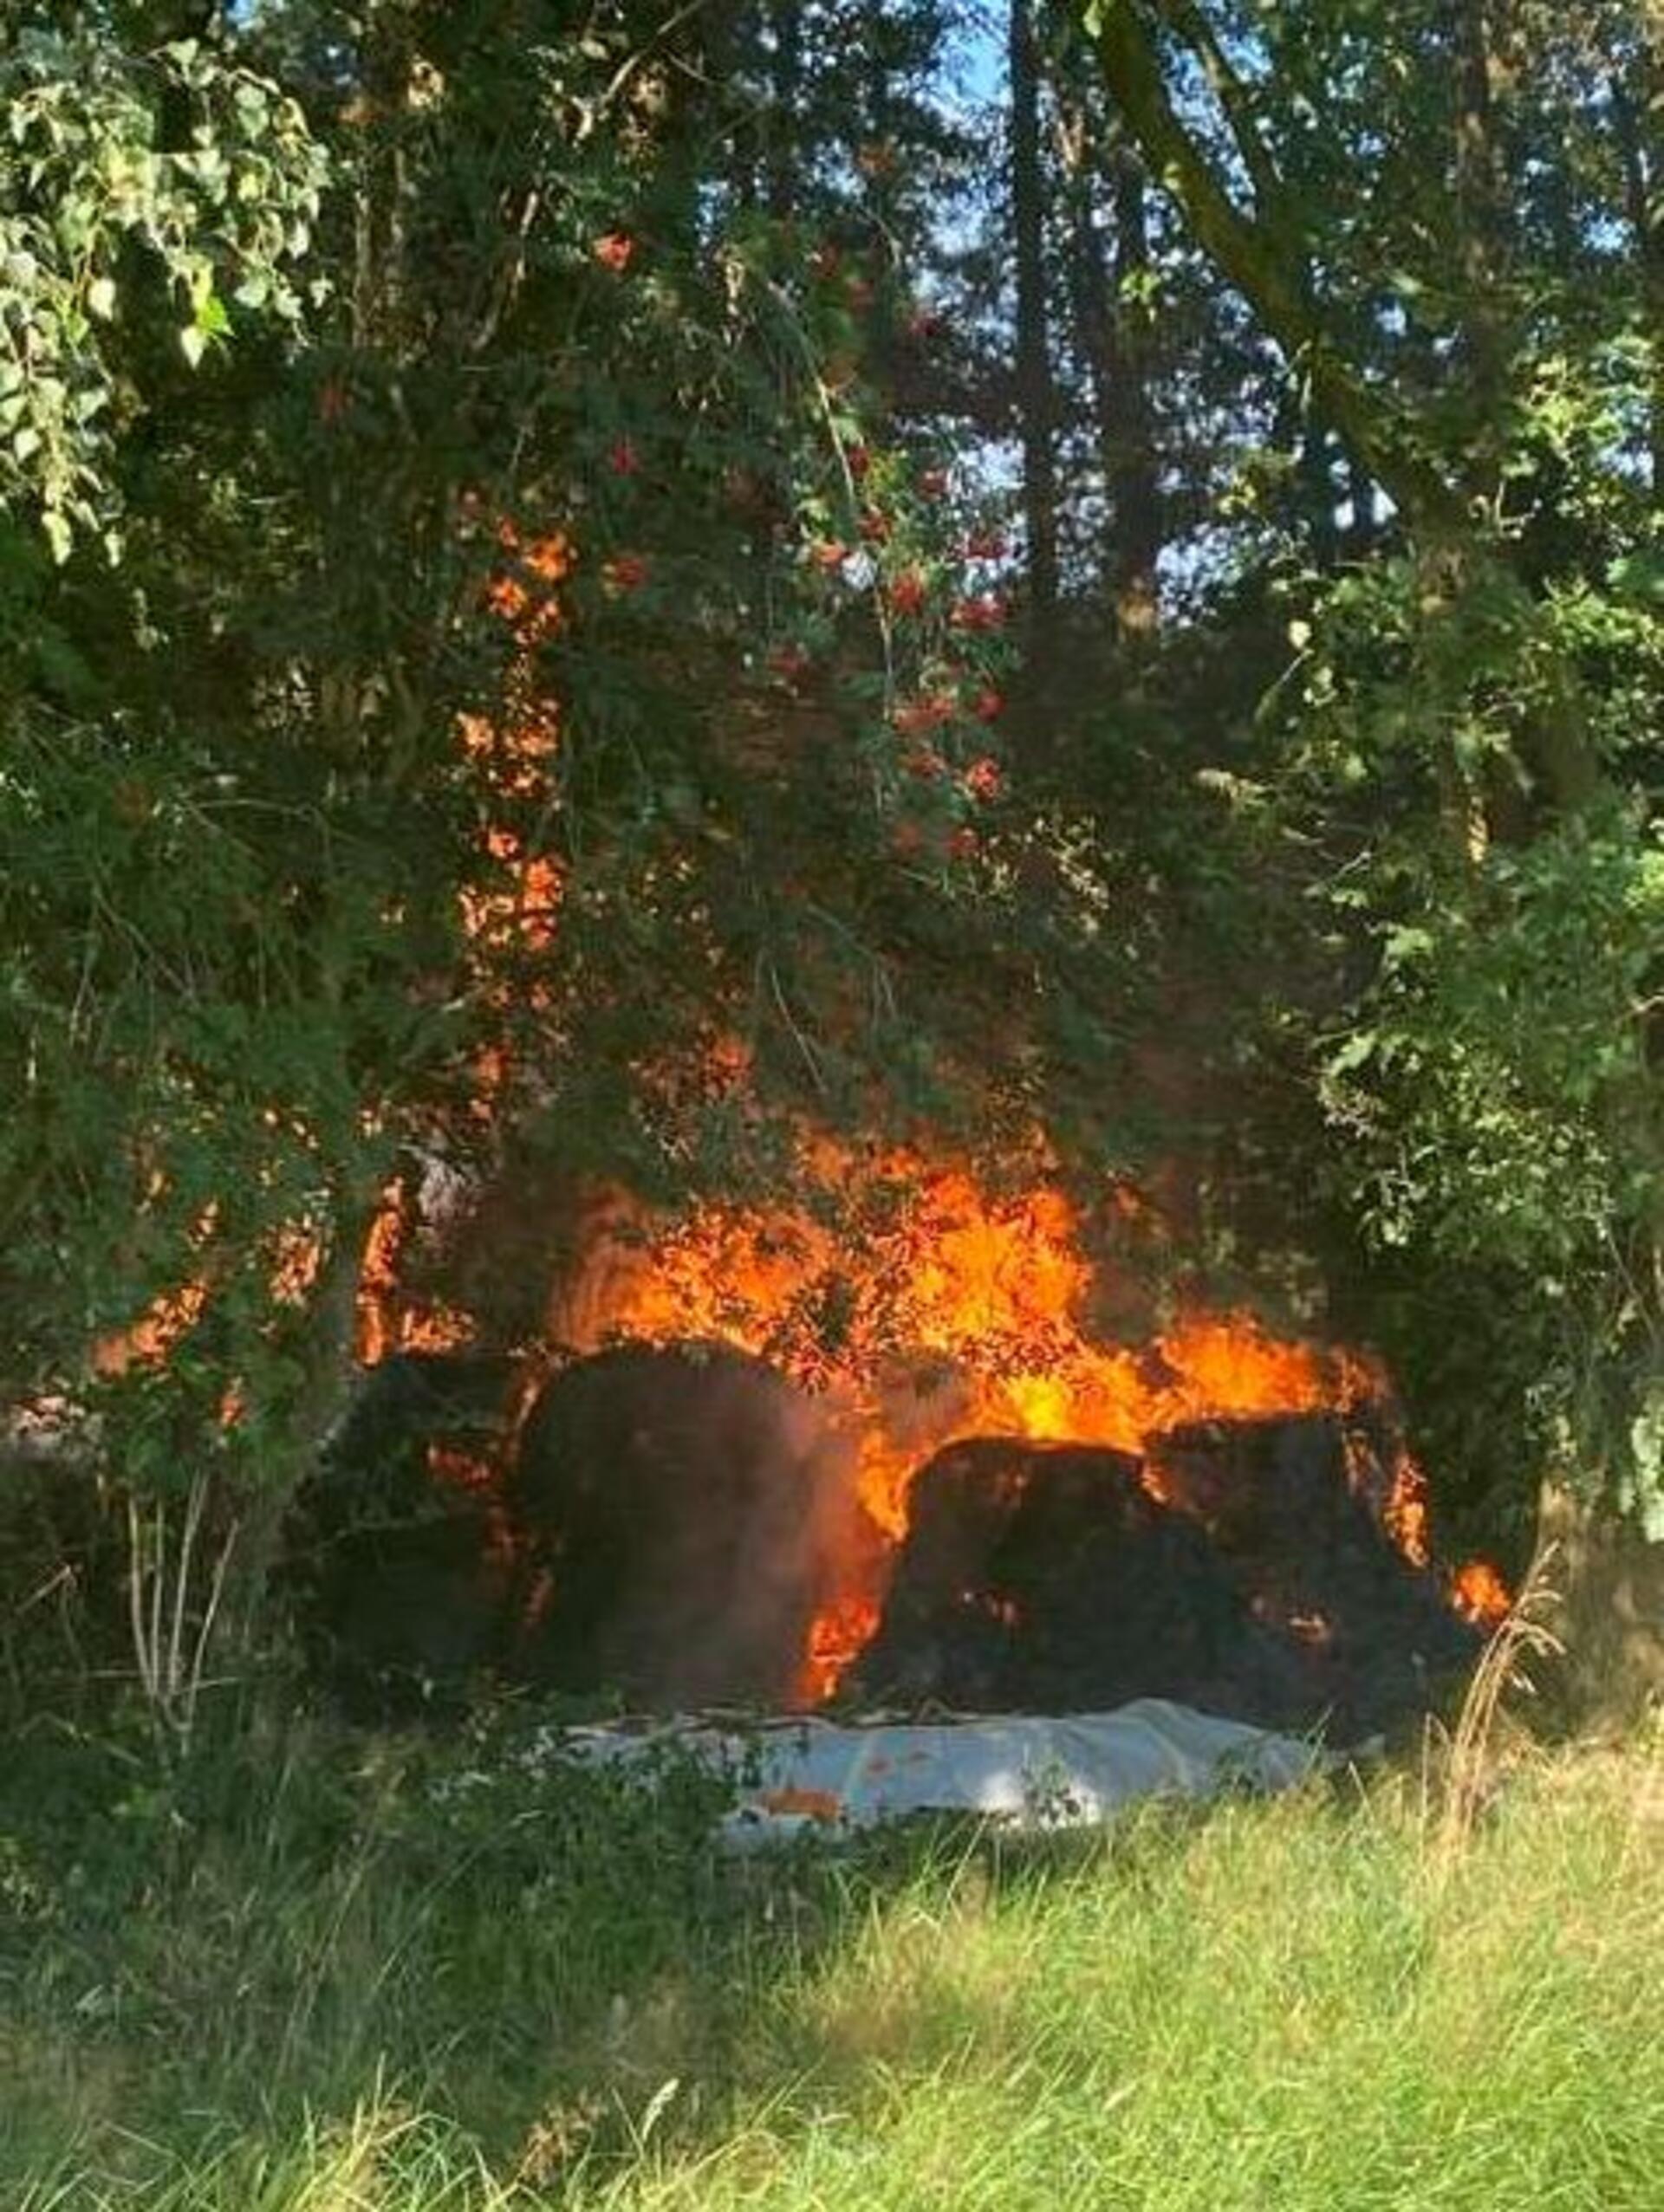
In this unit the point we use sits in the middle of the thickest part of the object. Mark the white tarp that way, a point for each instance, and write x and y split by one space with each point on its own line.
1027 1769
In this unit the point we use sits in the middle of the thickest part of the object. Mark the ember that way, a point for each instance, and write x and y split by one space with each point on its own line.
1479 1592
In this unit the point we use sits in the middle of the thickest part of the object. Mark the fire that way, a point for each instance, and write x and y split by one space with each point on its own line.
957 1310
836 1639
450 1465
923 1303
1406 1513
920 1299
1206 1366
170 1316
389 1319
1480 1591
508 911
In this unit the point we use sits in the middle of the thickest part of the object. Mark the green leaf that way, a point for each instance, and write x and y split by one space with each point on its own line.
192 343
1638 575
1358 1047
1404 943
253 108
59 536
100 298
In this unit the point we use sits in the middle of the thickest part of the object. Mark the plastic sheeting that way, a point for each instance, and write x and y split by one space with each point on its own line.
1027 1770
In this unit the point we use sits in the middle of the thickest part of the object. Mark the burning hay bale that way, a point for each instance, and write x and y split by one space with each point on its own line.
1295 1511
1240 1574
398 1562
1045 1578
683 1506
678 1526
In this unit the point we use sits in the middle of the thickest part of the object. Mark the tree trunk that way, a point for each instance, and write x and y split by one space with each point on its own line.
327 1355
1318 493
1481 230
786 92
1089 296
1035 403
1135 478
1112 336
1609 1611
1362 533
1638 108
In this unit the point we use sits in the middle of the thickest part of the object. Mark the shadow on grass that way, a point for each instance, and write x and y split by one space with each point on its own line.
555 1962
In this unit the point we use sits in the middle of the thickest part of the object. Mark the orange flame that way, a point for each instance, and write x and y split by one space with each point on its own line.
389 1317
1477 1591
170 1316
837 1636
508 909
511 908
960 1311
925 1305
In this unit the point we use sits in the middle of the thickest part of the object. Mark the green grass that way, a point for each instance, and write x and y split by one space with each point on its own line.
289 1980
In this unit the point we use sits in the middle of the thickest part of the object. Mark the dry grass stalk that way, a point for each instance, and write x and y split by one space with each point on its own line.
171 1632
1523 1634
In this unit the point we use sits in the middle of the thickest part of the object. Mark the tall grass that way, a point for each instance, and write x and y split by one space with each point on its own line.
323 1974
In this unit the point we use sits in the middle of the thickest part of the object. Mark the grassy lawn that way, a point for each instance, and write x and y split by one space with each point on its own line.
319 1972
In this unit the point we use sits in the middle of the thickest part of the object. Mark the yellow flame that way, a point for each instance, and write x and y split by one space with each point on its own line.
925 1303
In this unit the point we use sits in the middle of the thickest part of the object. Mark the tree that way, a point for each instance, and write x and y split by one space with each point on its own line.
506 604
1474 771
455 746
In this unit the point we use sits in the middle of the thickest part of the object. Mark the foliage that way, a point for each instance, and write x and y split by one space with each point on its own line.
1454 774
581 691
423 630
137 187
1492 1077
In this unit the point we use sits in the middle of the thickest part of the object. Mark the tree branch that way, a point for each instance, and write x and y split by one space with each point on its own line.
1192 24
1251 257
